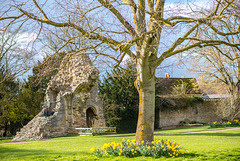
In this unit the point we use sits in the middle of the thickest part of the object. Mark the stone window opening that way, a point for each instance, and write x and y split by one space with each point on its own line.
50 103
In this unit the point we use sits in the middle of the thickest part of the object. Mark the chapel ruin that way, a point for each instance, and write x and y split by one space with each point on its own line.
73 95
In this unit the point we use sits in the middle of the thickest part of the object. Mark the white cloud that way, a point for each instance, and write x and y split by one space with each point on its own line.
187 8
24 39
126 58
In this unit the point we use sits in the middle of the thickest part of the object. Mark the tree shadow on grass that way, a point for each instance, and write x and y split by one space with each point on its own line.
192 155
12 153
222 155
231 155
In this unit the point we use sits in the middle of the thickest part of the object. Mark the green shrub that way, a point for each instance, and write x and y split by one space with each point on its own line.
120 99
174 103
181 123
129 148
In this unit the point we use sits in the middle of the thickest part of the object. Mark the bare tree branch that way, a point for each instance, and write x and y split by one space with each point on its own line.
131 5
108 5
40 9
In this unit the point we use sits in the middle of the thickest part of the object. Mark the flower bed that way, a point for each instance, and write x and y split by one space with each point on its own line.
129 148
234 123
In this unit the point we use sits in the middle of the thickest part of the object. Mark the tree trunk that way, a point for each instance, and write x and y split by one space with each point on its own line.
237 86
145 84
235 102
5 129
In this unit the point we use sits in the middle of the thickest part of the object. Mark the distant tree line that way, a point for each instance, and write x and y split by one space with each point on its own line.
19 103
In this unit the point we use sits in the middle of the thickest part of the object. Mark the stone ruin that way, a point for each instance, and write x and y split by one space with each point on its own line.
73 94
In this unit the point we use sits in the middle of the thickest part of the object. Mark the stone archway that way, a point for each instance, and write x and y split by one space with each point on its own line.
91 116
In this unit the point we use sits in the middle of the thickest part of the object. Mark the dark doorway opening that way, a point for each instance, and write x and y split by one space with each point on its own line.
90 117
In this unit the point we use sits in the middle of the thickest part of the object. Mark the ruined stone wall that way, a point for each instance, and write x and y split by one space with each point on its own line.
41 127
76 71
80 107
70 93
95 103
200 112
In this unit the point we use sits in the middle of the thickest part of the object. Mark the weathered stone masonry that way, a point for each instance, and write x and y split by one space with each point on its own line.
200 112
73 94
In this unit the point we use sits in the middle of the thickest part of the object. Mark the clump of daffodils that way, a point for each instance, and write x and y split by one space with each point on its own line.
233 123
129 148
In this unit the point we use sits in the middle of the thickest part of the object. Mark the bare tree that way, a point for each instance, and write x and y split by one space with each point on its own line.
223 64
148 31
14 59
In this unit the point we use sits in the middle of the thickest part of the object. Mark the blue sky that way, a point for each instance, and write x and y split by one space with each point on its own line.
170 65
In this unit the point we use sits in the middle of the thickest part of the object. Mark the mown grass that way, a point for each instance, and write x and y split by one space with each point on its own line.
214 145
5 141
183 130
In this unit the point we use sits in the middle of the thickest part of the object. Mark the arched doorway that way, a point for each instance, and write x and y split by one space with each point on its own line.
91 116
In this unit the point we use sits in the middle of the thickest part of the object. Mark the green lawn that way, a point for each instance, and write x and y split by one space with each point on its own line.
192 129
214 145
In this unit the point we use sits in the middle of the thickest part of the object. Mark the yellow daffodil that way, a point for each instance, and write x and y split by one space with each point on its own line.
92 149
168 147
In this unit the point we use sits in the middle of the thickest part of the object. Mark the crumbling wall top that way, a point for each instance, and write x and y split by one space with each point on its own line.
76 70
